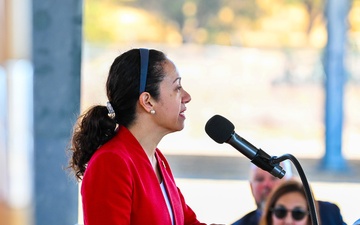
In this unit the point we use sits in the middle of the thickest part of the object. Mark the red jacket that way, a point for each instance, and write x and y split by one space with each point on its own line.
120 187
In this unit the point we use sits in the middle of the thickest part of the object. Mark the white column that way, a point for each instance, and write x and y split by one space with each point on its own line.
20 132
3 135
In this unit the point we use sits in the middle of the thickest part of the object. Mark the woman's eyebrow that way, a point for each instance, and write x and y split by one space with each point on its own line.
178 78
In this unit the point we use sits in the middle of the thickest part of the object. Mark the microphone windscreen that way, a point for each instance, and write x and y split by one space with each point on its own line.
219 128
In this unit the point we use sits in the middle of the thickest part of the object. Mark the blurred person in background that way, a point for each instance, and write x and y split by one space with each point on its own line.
286 204
126 180
262 183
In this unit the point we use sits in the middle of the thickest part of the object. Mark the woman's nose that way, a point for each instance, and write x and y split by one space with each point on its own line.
288 219
186 97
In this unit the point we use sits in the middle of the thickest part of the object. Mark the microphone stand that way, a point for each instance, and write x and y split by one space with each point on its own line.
310 199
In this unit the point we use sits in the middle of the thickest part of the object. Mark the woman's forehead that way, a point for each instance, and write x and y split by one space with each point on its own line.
170 71
292 198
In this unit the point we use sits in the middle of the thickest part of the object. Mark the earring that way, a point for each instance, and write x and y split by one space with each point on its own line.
152 111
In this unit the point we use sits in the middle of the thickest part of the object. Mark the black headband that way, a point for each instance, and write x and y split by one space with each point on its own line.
144 62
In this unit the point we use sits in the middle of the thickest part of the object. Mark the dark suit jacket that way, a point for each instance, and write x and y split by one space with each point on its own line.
329 214
357 222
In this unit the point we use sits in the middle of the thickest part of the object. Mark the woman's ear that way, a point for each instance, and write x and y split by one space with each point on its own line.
145 101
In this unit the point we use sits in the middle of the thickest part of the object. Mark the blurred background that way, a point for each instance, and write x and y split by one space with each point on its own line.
285 72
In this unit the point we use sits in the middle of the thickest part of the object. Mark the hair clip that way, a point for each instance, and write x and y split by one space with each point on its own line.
111 112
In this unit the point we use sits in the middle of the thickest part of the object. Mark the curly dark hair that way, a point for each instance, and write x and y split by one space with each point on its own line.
95 127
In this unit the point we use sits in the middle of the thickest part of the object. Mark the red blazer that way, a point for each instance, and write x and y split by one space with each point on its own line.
120 187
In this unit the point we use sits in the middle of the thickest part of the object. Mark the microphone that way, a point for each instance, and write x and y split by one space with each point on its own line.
221 130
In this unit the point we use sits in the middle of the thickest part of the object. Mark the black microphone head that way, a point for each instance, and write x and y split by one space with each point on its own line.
219 128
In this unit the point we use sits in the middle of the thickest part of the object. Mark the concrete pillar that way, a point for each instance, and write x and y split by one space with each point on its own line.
57 42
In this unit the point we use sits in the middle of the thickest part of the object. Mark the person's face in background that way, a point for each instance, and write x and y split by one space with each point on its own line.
293 201
261 184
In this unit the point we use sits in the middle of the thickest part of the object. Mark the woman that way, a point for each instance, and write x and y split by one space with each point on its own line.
286 205
125 177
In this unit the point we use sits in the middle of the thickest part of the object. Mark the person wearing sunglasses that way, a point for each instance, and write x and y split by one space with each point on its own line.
262 183
126 180
286 205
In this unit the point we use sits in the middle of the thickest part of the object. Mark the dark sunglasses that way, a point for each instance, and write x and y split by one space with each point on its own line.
281 212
